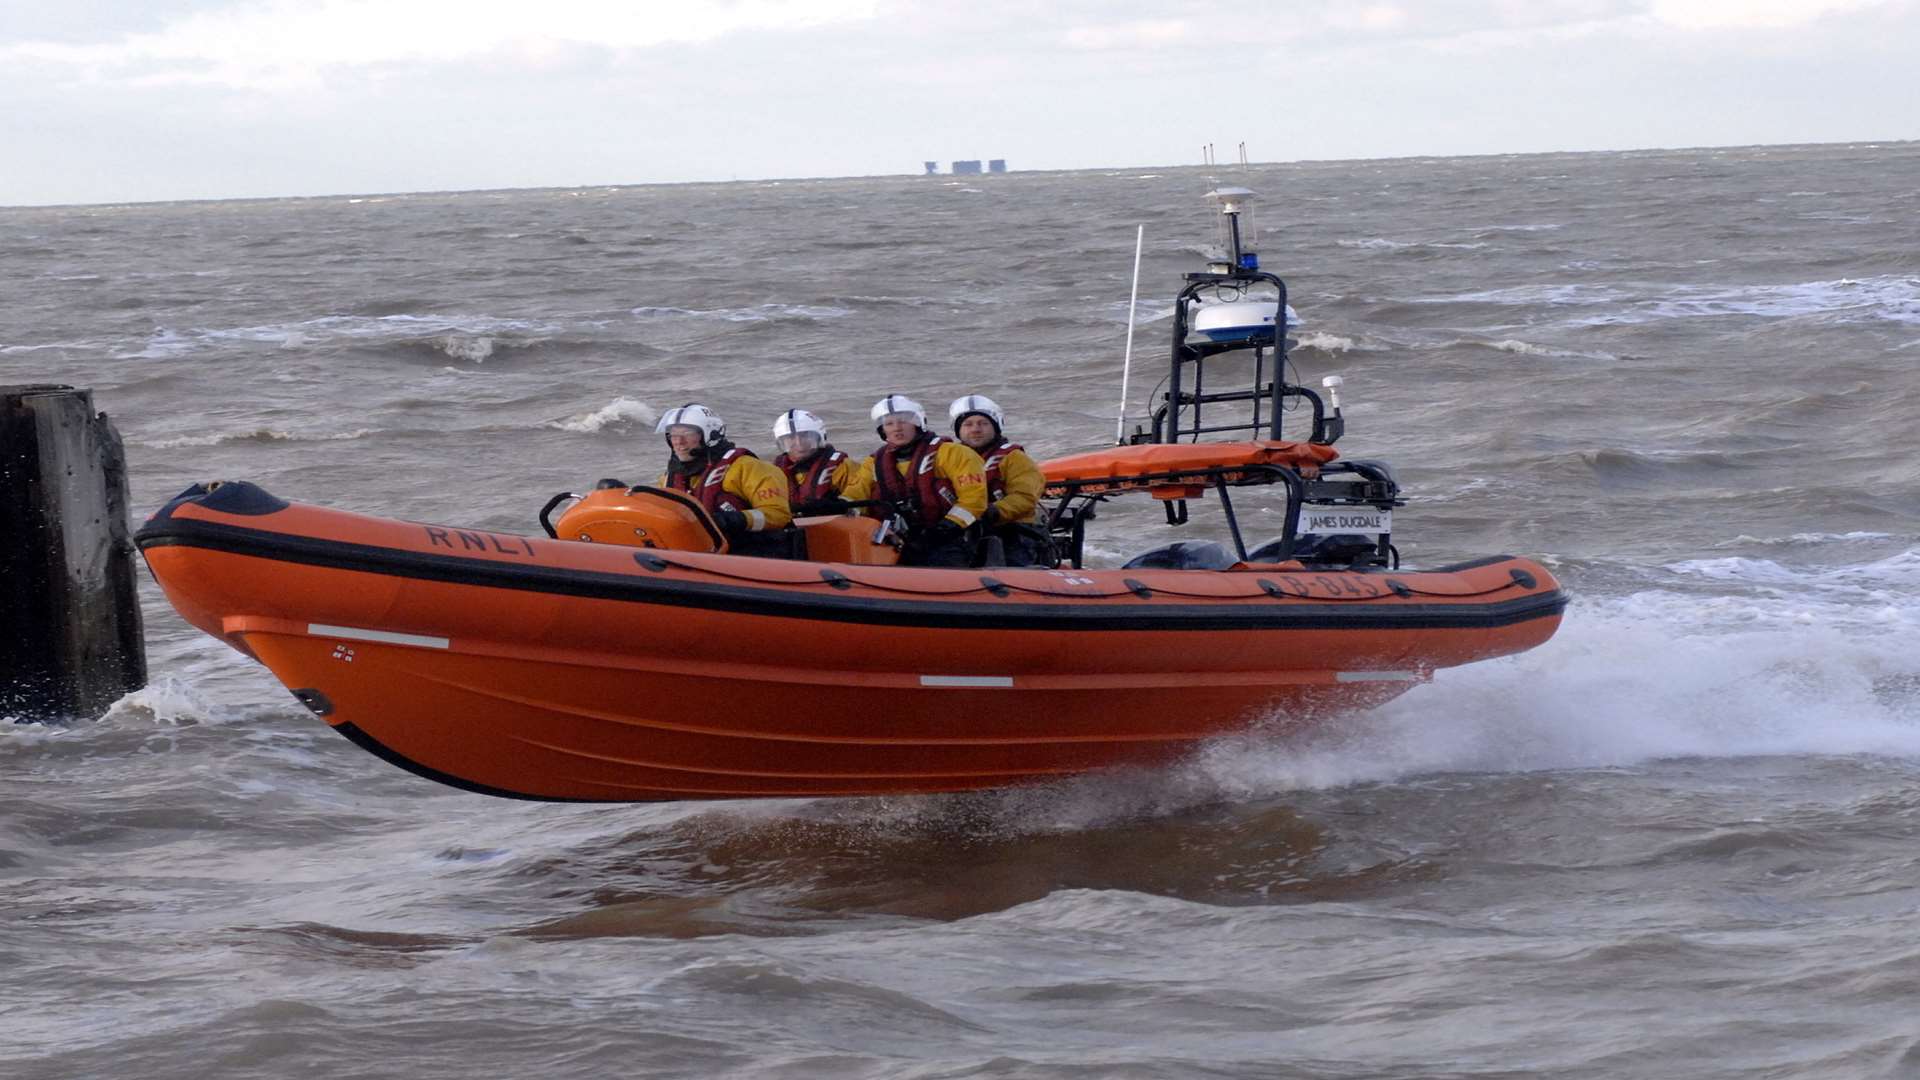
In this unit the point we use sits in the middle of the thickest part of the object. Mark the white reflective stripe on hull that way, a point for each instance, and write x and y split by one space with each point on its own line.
1375 676
966 680
357 634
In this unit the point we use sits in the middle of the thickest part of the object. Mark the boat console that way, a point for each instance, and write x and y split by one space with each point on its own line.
1232 319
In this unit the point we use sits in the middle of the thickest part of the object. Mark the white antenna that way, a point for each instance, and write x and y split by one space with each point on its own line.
1243 155
1126 368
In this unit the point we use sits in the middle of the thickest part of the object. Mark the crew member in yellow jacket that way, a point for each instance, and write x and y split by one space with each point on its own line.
747 497
936 484
817 474
1014 482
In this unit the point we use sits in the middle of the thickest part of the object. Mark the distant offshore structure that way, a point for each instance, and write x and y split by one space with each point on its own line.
969 168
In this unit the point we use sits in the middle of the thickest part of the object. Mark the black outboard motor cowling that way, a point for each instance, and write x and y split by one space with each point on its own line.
1319 549
1182 555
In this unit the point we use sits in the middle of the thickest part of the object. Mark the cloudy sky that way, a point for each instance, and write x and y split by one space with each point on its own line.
116 100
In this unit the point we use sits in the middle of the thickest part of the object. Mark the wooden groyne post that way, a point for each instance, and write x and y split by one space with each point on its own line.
70 635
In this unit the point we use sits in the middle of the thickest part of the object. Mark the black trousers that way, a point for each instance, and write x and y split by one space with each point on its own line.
924 551
768 544
1024 545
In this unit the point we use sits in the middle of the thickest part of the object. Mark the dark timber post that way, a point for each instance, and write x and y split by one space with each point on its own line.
70 641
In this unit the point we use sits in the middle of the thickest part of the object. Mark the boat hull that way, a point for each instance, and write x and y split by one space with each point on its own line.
553 670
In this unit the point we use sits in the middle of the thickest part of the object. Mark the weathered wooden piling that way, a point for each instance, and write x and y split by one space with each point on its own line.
70 635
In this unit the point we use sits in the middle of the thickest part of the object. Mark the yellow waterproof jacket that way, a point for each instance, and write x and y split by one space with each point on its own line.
953 462
1020 503
760 485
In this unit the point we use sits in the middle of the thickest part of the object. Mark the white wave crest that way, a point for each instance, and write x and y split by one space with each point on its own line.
1379 243
1528 348
462 337
1884 591
259 435
472 349
758 313
6 350
620 413
1330 343
1891 298
1806 538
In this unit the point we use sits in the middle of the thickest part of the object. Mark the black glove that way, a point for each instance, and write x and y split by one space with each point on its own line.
832 504
991 518
731 522
944 532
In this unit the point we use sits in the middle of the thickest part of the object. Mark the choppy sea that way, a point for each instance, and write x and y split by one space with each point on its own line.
1682 839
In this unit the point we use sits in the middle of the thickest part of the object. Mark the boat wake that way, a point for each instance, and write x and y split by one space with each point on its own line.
1829 668
1650 676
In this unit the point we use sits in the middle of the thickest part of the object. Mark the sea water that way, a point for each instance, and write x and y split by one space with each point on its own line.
1678 840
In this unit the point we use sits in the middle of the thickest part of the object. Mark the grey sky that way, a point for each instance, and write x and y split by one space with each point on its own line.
168 99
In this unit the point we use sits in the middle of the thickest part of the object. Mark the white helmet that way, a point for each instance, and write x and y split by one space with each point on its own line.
896 404
972 404
712 428
792 430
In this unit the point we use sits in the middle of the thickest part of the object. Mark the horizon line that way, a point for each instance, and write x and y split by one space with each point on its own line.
926 176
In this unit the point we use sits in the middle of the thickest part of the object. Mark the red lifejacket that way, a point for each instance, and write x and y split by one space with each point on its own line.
923 494
812 479
711 492
996 485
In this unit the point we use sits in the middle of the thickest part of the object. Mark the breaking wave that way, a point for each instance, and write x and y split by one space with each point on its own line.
1379 243
1891 298
1528 348
620 414
758 313
262 436
460 337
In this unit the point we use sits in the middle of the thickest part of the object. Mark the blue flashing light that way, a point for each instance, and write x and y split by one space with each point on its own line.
1249 261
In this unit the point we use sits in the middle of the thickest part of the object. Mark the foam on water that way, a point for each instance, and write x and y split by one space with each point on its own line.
758 313
474 349
1889 297
1811 538
1527 348
258 435
1378 243
1331 343
168 701
621 414
462 337
1656 674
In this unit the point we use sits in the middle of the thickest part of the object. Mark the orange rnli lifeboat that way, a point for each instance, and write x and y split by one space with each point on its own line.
645 663
627 655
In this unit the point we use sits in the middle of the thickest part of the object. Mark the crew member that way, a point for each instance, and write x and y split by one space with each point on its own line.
1014 482
746 496
937 485
817 474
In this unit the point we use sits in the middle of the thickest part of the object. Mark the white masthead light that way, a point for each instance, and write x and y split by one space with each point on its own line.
1233 231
